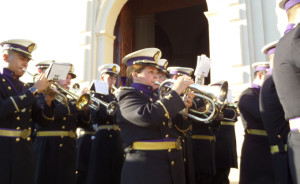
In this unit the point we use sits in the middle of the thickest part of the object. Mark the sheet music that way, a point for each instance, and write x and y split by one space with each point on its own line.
101 87
203 66
58 71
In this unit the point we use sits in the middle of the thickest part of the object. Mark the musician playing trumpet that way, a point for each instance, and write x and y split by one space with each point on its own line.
55 145
107 153
153 146
18 108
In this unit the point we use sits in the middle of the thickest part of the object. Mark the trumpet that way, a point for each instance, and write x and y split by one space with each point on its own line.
213 95
95 104
61 98
232 107
115 90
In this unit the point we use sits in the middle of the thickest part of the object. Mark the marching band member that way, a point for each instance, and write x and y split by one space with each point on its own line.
225 145
163 73
18 107
42 67
55 145
107 154
274 122
256 157
153 151
286 79
185 128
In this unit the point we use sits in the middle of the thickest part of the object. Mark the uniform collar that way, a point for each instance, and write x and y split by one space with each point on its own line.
289 27
7 72
143 87
269 71
255 86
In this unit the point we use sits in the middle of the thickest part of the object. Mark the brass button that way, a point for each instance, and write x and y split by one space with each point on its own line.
18 139
30 120
24 85
18 128
172 163
61 145
279 136
184 159
182 140
169 150
3 80
164 123
107 123
9 88
64 118
151 100
167 135
29 128
101 96
110 136
28 138
16 112
18 118
63 127
141 91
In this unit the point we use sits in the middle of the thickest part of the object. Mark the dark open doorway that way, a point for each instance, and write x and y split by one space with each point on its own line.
178 28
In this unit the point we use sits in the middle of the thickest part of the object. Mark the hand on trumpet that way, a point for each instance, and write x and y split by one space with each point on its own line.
42 83
188 101
182 83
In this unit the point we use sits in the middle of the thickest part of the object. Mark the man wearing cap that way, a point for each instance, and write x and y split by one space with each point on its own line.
55 144
41 69
256 160
286 79
225 144
184 127
107 155
18 107
274 122
163 73
153 150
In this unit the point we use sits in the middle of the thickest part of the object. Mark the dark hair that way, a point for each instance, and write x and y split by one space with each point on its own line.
131 69
11 51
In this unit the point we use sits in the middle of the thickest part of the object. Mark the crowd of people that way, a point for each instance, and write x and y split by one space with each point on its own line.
152 135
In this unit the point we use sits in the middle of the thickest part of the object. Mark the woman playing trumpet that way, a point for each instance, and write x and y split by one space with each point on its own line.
153 150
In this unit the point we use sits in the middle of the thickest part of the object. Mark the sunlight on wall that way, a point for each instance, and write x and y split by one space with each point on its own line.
54 25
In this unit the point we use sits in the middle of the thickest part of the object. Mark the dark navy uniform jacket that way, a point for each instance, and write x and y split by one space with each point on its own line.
56 155
273 115
18 108
276 126
226 153
143 118
107 154
286 72
256 160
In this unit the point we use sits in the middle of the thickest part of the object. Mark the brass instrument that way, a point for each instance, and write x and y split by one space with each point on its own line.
61 98
231 107
81 101
95 104
213 95
115 90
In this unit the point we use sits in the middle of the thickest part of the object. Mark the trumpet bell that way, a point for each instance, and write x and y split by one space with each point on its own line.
111 108
83 102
